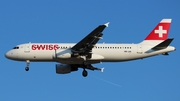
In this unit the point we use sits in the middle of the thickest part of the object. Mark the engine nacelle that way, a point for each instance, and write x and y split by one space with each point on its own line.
64 68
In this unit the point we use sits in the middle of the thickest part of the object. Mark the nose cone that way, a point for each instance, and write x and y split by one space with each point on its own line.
11 55
8 55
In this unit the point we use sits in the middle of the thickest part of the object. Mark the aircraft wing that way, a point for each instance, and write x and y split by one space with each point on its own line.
86 44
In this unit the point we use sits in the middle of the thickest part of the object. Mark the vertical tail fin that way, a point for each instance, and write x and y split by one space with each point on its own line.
160 32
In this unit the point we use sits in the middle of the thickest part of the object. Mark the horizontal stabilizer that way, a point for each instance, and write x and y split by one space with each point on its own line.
163 44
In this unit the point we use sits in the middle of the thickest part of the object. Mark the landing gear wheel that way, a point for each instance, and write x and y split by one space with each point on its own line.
84 73
27 65
27 68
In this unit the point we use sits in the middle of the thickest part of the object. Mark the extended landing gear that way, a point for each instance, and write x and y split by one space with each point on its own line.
27 65
27 68
90 67
84 73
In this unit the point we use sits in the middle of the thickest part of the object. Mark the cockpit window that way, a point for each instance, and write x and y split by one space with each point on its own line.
16 48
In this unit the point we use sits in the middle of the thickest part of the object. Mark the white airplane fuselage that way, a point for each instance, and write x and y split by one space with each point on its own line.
44 52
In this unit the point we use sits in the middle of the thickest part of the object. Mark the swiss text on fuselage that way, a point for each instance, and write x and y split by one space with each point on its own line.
45 47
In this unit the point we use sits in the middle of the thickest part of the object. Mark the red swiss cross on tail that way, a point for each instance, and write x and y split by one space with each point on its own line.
160 32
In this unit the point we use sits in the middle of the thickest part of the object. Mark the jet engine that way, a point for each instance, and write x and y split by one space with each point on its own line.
65 68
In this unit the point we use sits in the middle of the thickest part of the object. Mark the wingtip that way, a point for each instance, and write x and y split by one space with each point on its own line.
102 69
106 24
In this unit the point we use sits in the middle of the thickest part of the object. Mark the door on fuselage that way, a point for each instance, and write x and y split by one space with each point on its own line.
27 48
139 49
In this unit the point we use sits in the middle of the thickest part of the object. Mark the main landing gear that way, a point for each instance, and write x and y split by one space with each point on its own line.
84 73
27 65
90 67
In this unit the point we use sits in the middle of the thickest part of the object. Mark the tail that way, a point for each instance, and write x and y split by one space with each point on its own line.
159 33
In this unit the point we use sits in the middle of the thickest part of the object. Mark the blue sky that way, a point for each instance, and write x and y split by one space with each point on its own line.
151 79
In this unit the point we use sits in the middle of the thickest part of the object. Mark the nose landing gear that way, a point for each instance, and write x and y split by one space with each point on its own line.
27 68
27 65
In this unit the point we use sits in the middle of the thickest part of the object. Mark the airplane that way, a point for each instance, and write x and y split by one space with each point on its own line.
72 56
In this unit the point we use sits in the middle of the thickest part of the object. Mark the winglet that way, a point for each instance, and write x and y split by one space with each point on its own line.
102 69
106 24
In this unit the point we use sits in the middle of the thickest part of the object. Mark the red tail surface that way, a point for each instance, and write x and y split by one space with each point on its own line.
160 32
